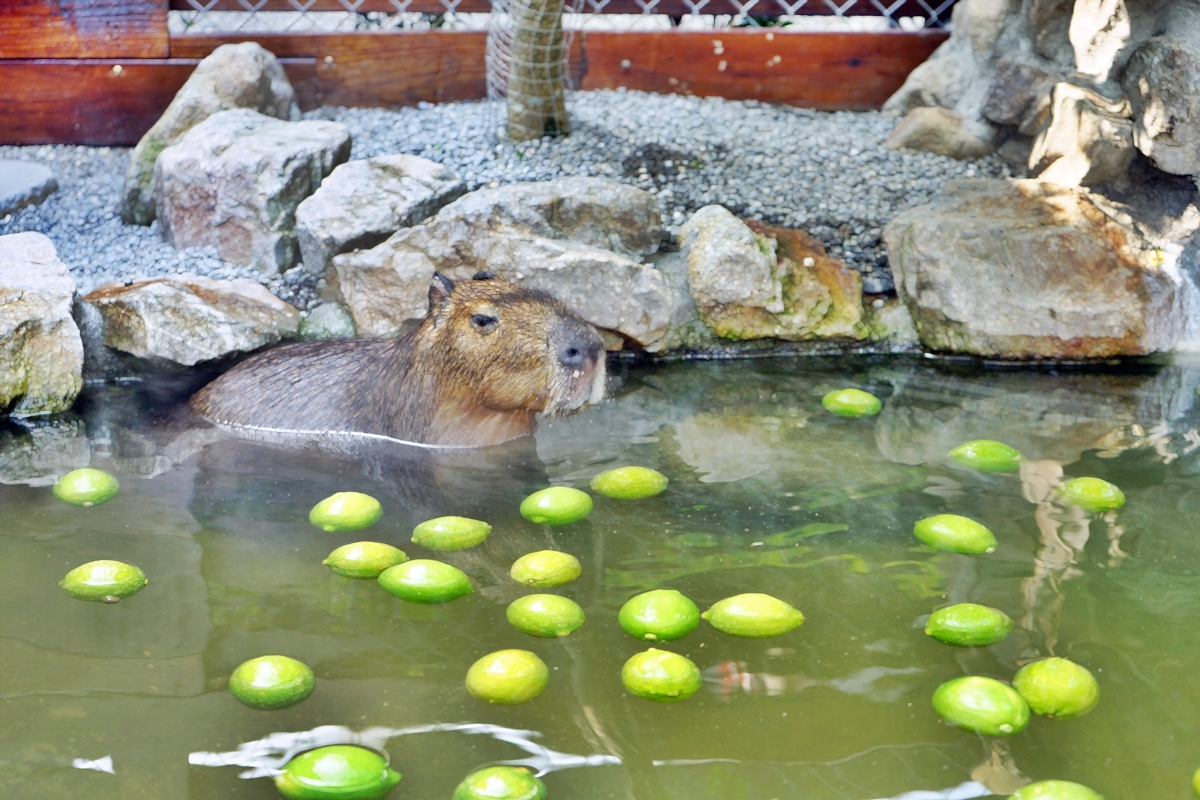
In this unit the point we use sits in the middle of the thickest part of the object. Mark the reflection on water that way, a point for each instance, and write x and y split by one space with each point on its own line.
768 493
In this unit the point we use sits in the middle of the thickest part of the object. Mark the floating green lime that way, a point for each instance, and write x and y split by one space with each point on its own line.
955 534
661 676
852 403
545 615
103 581
346 511
629 483
450 533
987 455
86 487
364 559
500 783
753 616
423 580
1196 774
337 772
508 677
1058 688
660 615
1092 494
1056 790
546 569
558 505
271 682
983 705
968 625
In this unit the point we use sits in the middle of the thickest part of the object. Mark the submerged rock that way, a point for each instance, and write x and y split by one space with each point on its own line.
36 453
173 322
1024 269
364 202
234 181
41 353
234 76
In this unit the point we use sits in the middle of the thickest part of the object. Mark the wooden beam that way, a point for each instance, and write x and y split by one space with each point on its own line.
83 29
906 8
829 71
101 102
90 101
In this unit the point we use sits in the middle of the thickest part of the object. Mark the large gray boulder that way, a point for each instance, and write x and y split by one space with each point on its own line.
41 354
1161 80
23 183
234 181
1003 60
183 321
1025 269
575 238
364 202
233 76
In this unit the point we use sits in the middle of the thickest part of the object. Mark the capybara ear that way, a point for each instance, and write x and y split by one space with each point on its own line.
440 289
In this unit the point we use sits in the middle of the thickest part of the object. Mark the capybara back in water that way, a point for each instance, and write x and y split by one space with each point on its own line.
488 356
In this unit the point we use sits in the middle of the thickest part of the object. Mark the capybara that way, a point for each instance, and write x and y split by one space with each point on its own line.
488 356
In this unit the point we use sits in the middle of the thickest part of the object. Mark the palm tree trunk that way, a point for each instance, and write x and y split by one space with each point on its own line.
536 101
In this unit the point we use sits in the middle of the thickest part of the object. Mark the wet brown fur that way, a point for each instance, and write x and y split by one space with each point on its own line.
448 382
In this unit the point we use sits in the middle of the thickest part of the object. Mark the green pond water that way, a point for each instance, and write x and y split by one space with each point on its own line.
768 493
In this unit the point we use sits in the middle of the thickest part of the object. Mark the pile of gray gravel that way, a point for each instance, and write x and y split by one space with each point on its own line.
828 173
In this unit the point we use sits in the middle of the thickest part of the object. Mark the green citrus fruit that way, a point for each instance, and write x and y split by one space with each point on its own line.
546 569
982 705
955 534
629 483
852 403
1055 790
364 559
662 676
346 511
337 772
968 625
1196 774
86 487
103 581
987 455
558 505
1056 687
660 615
450 533
500 783
1092 494
754 616
271 682
423 580
507 677
545 615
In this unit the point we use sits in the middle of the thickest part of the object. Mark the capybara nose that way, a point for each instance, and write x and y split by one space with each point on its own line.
581 344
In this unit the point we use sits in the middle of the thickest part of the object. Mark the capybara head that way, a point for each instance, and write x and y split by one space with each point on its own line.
513 347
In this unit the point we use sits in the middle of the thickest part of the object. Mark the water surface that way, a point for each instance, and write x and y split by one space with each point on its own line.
768 493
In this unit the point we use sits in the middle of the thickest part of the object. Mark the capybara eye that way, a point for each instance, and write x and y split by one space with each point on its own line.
484 321
483 276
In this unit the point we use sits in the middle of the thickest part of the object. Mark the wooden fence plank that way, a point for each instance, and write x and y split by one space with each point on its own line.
100 102
91 102
831 71
906 8
83 29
